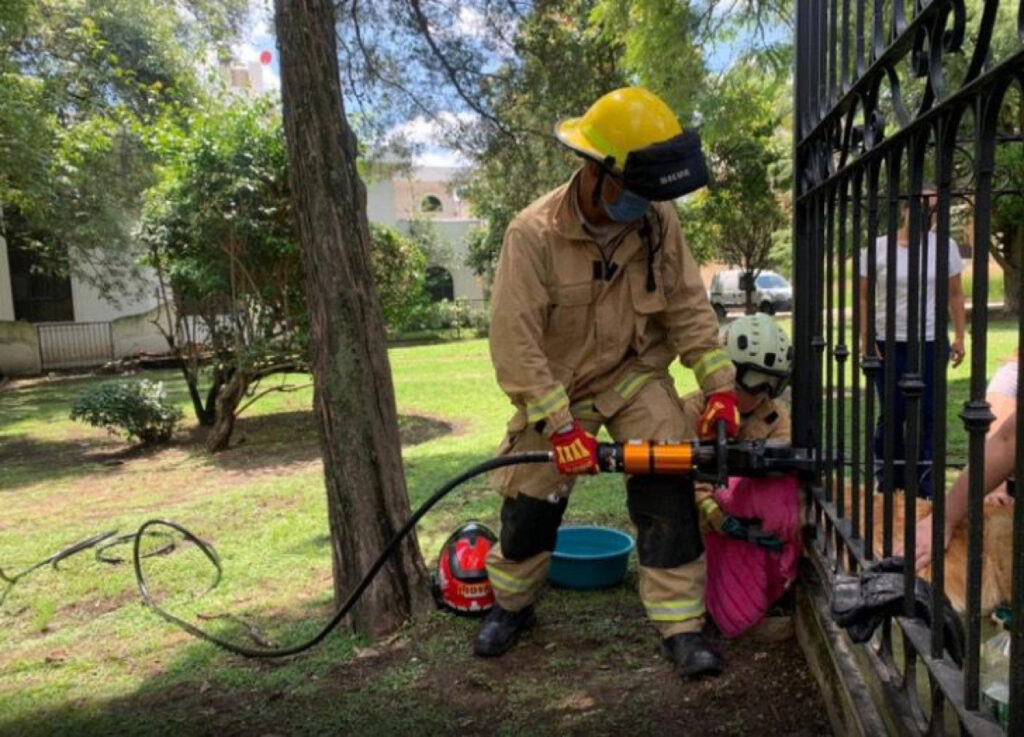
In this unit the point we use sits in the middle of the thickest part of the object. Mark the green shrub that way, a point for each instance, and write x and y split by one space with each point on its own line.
136 409
435 317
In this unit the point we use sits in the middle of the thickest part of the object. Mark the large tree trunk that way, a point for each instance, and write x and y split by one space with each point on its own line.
353 397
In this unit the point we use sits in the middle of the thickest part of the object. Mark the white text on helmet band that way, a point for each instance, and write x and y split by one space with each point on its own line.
674 176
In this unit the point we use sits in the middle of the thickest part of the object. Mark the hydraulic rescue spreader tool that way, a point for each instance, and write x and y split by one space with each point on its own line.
714 461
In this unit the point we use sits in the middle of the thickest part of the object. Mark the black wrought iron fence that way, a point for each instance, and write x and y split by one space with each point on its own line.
907 125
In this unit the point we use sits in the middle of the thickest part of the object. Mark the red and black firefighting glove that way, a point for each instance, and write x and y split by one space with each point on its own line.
575 450
720 406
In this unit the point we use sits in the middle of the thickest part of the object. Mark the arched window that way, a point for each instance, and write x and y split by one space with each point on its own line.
439 284
430 204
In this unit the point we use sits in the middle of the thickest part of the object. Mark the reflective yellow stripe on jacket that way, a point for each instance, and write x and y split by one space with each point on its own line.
632 383
585 410
709 363
548 404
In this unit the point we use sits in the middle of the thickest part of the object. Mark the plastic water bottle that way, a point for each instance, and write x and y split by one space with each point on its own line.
995 670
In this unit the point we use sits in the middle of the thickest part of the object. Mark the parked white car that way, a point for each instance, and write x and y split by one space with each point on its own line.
772 293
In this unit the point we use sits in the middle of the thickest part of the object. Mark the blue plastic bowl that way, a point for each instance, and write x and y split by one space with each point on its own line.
589 557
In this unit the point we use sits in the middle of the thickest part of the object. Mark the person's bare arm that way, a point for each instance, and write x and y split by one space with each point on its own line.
958 314
999 461
864 348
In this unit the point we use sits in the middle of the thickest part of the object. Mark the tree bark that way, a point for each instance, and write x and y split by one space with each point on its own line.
227 401
353 396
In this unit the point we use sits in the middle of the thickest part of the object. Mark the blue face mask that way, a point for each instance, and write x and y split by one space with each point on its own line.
627 207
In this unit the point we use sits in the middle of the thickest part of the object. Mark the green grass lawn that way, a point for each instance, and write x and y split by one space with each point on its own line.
1001 342
79 654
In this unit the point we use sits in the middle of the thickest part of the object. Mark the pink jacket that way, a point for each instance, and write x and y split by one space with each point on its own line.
744 579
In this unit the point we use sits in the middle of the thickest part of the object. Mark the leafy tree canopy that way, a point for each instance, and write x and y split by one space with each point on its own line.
79 79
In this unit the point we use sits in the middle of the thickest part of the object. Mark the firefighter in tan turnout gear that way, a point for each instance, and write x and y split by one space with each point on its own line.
595 295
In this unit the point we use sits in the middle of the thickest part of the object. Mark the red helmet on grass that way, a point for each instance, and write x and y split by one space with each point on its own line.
461 583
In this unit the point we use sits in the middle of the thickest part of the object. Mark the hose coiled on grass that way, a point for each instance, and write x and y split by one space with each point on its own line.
211 554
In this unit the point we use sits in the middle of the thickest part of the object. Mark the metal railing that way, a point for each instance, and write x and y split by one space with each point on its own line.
888 95
65 345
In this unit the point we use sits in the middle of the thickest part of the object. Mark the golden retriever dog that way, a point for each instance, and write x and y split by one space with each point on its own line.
997 551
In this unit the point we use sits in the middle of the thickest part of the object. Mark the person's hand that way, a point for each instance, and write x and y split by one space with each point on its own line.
721 406
575 450
923 549
956 351
999 497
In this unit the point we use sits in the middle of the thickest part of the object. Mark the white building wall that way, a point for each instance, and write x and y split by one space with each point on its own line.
467 284
133 329
380 202
91 306
395 196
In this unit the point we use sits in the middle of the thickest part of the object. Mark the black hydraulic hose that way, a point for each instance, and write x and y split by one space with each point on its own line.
100 543
54 559
104 557
488 465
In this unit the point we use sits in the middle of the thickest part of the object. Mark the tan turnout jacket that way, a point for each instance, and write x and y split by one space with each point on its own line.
569 325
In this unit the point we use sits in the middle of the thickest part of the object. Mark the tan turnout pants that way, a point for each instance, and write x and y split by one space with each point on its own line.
673 596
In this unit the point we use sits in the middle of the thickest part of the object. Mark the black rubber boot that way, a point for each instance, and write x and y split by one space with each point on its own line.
691 654
501 629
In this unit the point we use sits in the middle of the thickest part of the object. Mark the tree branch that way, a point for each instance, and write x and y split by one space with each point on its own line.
424 27
283 388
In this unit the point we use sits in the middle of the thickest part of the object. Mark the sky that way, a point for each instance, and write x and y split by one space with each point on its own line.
259 37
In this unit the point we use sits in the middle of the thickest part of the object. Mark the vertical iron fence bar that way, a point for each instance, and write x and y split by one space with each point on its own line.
892 182
860 61
976 415
856 351
800 107
844 76
1016 724
872 364
898 20
878 31
910 382
818 340
833 53
841 353
828 285
891 431
945 136
801 384
813 82
823 96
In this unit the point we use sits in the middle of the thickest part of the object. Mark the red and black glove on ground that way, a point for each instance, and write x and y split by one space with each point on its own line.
720 406
575 450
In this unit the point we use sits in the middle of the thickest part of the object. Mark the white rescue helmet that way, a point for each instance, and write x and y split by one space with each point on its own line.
761 351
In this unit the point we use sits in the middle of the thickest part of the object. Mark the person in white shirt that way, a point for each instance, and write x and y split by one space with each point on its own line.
926 318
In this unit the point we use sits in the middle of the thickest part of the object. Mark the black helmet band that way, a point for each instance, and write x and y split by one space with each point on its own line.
667 170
